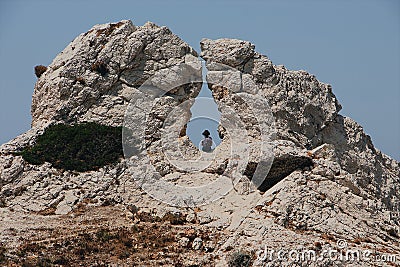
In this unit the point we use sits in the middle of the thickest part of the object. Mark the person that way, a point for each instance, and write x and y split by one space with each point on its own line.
207 142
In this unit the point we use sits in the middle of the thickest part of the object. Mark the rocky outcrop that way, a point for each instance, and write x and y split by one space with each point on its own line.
306 113
345 195
93 77
327 182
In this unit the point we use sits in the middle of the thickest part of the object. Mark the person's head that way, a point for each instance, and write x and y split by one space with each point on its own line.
206 133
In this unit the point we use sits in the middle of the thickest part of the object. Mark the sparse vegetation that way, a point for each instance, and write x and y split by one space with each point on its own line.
107 31
39 70
80 80
19 190
328 237
175 219
3 203
139 243
318 245
80 147
119 242
392 232
2 253
239 259
100 67
104 235
48 211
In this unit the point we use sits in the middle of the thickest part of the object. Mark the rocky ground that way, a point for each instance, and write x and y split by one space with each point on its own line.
328 187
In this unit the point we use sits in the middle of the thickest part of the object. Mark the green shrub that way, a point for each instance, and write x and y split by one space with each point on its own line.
80 147
104 235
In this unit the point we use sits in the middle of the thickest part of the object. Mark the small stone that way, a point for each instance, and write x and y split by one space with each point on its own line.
184 242
191 217
12 172
204 217
209 246
197 243
63 209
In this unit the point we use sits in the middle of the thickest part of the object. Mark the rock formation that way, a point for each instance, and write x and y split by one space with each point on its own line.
327 185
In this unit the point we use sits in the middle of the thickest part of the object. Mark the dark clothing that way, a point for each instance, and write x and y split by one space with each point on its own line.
206 144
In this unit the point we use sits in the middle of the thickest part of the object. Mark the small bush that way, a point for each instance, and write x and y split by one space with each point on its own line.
318 245
104 235
3 251
239 259
393 233
44 262
3 203
80 147
100 67
174 219
80 80
39 70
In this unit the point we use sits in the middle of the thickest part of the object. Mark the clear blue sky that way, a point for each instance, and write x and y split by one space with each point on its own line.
353 45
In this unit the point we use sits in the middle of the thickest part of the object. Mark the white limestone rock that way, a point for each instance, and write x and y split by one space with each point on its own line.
349 191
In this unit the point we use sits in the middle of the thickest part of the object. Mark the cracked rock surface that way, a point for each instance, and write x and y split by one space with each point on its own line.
327 181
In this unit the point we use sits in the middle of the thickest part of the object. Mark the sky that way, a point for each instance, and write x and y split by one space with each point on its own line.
205 116
353 45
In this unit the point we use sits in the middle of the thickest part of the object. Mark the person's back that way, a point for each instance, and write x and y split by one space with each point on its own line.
207 142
